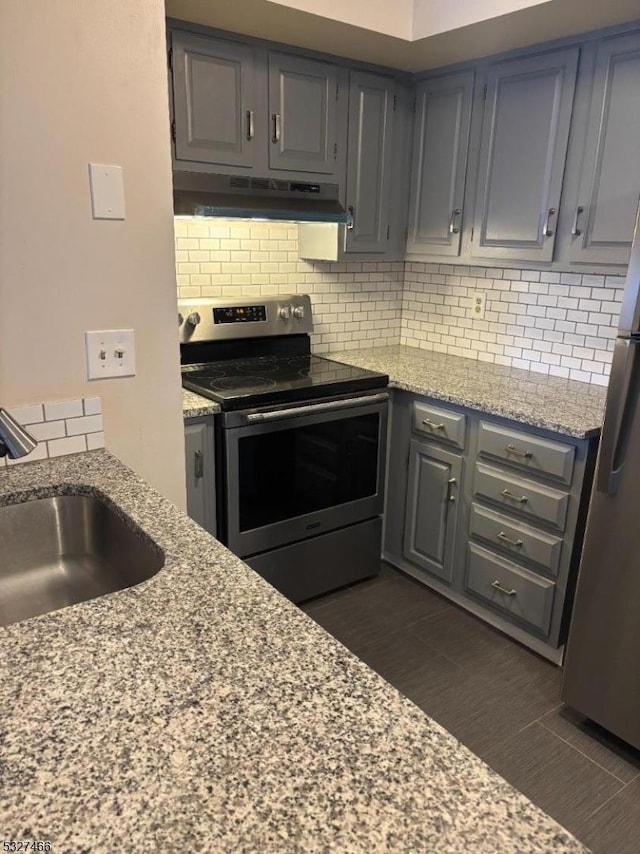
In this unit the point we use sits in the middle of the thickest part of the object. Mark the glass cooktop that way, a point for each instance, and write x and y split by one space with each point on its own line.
264 380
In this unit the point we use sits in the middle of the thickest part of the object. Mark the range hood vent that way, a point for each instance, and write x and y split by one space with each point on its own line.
202 194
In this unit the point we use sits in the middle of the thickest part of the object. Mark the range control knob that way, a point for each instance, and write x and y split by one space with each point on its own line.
193 319
298 312
285 312
180 319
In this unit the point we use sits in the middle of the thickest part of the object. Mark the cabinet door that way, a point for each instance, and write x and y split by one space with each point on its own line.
302 104
441 141
369 161
522 154
198 441
213 96
603 220
432 508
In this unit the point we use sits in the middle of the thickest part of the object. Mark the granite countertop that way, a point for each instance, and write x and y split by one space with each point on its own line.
202 711
194 405
563 406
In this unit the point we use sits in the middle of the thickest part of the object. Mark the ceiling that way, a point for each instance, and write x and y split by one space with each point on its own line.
263 19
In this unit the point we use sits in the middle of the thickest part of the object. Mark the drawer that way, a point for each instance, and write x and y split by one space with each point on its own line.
517 538
440 424
518 448
534 500
510 589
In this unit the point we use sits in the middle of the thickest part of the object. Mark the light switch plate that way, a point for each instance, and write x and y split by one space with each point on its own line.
478 300
107 191
110 353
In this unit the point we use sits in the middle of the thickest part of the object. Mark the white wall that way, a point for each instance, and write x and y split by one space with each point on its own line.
431 17
391 17
80 81
409 19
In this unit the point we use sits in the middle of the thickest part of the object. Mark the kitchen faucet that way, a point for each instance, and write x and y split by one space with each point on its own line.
15 441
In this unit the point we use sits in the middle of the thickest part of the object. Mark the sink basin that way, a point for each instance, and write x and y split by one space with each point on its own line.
63 550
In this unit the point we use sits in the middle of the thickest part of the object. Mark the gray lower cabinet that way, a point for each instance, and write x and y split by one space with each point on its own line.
441 141
490 513
303 97
435 477
214 101
523 147
604 212
200 472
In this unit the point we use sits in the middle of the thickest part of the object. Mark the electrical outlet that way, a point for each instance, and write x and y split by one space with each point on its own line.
478 299
110 353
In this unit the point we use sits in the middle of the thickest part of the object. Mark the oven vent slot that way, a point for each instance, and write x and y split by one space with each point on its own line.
239 181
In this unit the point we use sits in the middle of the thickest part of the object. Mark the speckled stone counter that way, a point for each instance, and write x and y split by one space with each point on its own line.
201 711
563 406
195 406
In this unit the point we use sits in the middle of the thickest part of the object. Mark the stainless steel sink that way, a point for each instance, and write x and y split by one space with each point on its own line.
64 550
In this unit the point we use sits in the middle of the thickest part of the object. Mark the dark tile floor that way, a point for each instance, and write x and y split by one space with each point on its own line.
495 696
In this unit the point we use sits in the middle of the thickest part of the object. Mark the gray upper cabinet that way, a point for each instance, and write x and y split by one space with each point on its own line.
214 101
303 94
604 215
432 508
441 141
522 154
369 150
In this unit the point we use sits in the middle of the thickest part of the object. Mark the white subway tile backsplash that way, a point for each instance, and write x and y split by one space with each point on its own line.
47 430
64 409
64 434
86 424
529 313
68 445
40 452
27 414
95 440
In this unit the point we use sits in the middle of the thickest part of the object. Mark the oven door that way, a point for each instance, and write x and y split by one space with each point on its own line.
298 472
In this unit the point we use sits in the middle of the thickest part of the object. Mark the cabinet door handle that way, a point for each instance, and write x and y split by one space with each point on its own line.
198 465
251 130
522 499
450 483
546 231
276 127
502 589
517 543
453 228
432 424
511 449
352 218
574 228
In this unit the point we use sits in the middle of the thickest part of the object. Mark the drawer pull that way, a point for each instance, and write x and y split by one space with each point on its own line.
511 449
451 482
517 543
522 499
502 589
432 424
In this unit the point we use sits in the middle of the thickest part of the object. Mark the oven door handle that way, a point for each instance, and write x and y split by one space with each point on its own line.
309 409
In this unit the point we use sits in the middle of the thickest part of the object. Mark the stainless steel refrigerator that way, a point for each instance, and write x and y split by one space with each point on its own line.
602 665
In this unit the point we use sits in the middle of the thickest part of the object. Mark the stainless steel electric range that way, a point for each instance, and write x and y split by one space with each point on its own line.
300 442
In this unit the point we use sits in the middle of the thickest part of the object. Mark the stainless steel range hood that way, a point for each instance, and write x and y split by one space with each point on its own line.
202 194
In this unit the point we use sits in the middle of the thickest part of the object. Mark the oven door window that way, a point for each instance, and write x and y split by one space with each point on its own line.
292 472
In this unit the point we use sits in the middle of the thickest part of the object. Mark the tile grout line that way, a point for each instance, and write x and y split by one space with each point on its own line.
577 750
615 795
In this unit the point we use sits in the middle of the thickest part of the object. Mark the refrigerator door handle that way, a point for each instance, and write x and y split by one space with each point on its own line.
613 441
